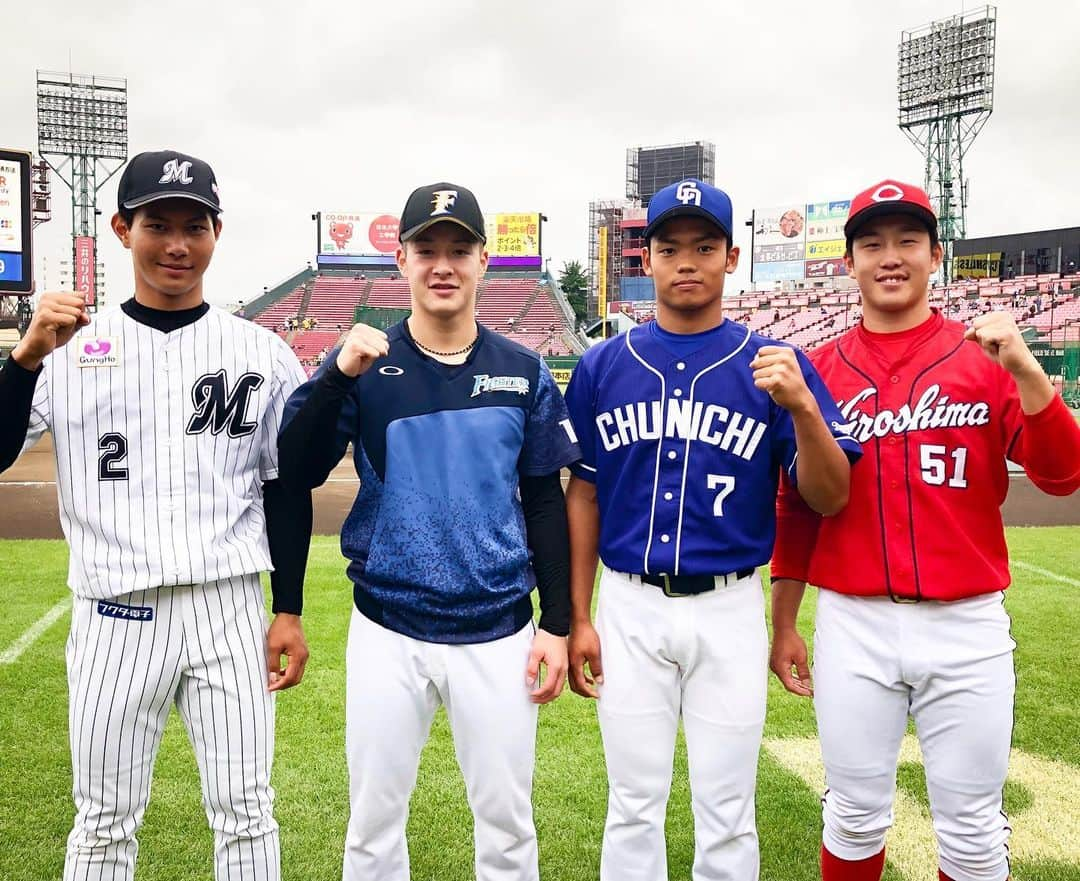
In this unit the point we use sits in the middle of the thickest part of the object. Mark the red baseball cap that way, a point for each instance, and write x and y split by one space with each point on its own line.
889 197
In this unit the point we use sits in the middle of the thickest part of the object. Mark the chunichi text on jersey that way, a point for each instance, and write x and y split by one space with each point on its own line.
714 424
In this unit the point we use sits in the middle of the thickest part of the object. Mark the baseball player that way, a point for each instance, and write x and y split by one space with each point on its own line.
910 619
458 438
164 414
684 425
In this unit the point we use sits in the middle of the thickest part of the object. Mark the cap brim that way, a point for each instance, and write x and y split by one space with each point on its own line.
684 211
427 224
170 194
881 209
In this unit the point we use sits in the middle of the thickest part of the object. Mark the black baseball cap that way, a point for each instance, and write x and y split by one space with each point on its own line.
167 174
440 202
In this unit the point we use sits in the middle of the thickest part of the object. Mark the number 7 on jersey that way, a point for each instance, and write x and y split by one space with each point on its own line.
726 484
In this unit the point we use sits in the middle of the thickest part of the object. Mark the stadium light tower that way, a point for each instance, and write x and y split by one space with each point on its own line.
945 85
83 136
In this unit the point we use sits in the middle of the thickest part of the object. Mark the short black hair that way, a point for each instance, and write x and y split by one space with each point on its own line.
128 214
723 235
931 229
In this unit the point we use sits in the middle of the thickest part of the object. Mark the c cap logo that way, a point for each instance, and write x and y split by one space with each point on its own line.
176 171
443 201
688 192
887 193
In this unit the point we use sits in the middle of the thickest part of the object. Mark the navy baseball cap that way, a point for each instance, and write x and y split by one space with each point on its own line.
167 174
440 202
690 198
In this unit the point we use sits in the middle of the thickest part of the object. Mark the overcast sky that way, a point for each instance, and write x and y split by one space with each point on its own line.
348 106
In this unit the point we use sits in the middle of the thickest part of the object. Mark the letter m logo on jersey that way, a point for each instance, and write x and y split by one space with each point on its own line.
219 409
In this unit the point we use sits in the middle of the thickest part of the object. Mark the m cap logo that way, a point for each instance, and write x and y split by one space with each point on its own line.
443 201
887 193
688 192
175 171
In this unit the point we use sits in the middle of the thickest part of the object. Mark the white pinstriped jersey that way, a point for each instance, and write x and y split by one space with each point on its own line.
162 443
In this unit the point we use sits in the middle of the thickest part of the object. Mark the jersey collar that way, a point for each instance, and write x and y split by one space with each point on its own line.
729 339
161 319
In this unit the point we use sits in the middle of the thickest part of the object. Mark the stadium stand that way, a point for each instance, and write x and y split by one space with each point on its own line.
523 308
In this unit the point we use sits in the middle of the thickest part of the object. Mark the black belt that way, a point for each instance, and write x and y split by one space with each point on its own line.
689 585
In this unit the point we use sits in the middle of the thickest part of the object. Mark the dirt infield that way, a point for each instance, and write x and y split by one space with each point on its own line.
28 499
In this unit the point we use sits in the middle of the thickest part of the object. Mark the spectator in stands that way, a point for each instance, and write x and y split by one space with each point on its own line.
1038 302
1032 310
776 315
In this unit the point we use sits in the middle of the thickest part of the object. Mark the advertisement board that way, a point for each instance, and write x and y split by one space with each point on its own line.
85 268
358 232
601 272
16 260
797 241
977 265
515 237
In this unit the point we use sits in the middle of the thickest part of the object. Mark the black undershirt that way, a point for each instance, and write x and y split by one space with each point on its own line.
288 510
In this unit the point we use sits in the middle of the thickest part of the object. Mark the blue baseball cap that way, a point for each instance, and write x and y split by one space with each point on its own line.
690 198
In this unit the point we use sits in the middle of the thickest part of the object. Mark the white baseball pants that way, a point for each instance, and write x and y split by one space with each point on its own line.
703 658
202 647
948 665
394 685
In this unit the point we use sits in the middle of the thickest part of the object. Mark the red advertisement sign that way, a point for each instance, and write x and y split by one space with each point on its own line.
85 266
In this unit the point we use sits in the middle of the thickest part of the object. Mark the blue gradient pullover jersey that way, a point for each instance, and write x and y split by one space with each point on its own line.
436 536
685 451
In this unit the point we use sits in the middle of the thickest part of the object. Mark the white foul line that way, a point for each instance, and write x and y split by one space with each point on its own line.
11 654
1064 579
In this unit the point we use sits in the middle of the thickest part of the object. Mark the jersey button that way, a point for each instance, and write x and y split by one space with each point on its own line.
672 454
678 393
665 538
667 497
894 379
680 366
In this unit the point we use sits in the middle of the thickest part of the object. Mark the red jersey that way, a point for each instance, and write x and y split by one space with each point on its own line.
936 419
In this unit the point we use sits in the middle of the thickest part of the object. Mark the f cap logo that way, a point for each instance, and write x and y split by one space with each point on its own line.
443 201
887 193
688 192
176 171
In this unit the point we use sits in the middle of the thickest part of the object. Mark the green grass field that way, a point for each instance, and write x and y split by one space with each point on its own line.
1043 795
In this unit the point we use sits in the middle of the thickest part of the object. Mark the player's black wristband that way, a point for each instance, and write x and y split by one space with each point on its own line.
288 532
548 536
16 398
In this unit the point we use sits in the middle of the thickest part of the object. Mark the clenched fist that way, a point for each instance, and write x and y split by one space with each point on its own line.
58 317
1000 338
362 347
776 371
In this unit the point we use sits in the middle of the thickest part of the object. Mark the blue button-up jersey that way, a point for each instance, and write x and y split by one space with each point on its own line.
685 451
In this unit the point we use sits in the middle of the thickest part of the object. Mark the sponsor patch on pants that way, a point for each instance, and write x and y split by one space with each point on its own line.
119 610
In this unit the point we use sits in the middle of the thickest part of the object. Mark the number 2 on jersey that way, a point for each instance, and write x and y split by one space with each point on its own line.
933 461
113 446
726 484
